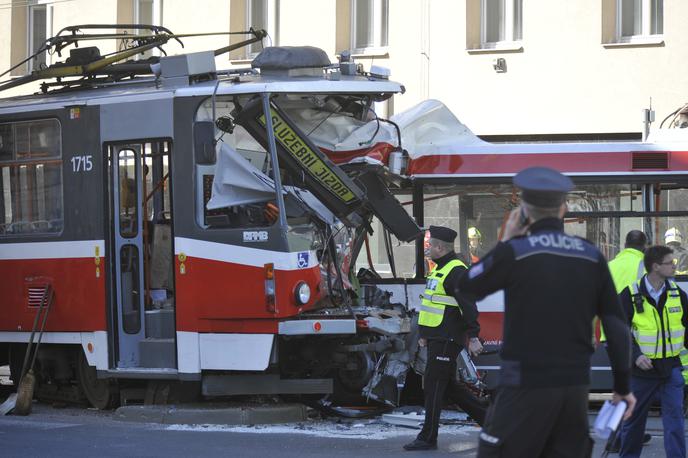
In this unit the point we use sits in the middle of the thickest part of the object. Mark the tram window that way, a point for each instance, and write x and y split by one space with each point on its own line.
128 193
31 178
6 142
130 289
239 139
239 188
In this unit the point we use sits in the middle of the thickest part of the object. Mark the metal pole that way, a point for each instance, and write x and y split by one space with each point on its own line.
419 214
273 158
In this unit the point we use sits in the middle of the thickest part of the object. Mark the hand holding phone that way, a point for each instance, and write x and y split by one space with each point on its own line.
516 225
522 217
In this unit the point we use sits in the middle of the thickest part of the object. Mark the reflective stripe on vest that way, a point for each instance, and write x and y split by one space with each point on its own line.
658 337
435 299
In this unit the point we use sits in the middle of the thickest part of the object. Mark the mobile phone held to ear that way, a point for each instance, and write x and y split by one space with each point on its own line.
522 218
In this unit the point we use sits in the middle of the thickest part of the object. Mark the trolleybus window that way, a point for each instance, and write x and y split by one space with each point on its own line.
31 178
385 255
604 214
476 212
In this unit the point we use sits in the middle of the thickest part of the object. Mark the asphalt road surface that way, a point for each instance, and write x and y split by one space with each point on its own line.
72 431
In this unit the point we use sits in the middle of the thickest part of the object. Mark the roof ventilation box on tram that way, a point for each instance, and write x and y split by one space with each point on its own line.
184 69
291 61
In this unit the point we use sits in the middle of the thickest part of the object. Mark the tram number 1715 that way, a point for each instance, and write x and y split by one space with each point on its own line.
82 163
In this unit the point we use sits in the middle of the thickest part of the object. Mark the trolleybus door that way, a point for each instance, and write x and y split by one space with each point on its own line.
128 280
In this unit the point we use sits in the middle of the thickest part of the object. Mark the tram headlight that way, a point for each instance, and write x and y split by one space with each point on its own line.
302 292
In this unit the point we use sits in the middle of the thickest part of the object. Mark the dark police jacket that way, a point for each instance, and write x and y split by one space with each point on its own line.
554 285
457 324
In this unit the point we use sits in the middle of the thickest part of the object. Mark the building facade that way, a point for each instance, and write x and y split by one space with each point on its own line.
506 68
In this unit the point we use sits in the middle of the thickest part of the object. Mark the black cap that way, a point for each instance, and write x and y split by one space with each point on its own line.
543 187
442 233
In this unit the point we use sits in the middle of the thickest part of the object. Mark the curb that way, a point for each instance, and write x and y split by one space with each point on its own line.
198 414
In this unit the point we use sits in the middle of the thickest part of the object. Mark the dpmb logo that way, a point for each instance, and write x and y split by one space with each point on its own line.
302 259
255 236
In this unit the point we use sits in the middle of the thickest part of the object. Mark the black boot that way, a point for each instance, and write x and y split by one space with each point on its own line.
420 444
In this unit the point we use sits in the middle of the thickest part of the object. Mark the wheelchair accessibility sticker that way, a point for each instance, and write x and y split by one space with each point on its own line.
302 259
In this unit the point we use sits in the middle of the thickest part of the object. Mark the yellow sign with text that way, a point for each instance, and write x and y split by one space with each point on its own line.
310 161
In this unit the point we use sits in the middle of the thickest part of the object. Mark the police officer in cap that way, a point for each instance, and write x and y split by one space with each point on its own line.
554 286
446 320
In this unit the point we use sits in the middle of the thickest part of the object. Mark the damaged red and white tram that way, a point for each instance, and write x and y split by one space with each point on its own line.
180 223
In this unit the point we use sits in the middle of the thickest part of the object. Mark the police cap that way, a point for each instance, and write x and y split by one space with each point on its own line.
543 187
442 233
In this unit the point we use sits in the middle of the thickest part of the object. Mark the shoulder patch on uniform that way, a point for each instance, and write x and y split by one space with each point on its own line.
554 243
476 270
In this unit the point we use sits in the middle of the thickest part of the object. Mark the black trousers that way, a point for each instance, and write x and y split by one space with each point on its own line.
440 370
537 422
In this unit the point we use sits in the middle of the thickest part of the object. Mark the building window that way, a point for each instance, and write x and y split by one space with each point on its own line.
639 19
369 24
38 33
148 12
262 14
501 22
31 178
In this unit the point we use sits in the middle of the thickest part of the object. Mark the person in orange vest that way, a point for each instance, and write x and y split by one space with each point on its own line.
475 242
429 263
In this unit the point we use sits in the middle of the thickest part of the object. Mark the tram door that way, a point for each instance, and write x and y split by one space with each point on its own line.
126 183
142 253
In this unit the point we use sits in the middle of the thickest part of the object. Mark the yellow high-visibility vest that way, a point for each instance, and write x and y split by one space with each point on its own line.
684 363
658 336
626 268
435 299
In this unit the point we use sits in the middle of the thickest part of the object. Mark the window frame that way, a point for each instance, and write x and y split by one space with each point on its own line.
32 7
377 29
508 18
15 162
646 19
271 8
157 11
156 20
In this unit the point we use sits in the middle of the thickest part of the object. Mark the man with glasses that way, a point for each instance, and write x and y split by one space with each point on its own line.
655 308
